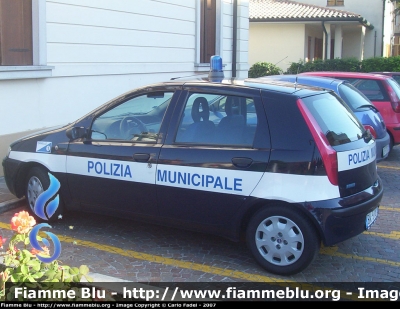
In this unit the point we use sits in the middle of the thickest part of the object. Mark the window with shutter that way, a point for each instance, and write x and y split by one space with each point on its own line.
335 3
16 32
207 30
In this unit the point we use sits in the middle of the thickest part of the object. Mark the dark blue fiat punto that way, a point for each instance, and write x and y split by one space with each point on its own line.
282 166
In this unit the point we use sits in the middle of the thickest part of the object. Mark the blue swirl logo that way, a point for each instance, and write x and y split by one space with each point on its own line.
46 212
35 243
40 208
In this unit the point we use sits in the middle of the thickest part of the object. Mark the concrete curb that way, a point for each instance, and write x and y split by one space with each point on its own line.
14 203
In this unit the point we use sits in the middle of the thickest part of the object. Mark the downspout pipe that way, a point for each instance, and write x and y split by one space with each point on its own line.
234 38
383 28
326 39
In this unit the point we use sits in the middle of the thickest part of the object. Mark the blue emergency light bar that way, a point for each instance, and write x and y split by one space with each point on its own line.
216 71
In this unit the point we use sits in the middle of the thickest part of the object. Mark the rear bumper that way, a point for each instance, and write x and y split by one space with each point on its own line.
10 169
394 129
343 218
381 143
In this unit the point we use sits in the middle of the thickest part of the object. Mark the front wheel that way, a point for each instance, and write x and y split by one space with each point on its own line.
37 182
282 240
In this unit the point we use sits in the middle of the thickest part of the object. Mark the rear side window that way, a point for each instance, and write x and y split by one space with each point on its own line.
353 97
216 119
372 89
334 118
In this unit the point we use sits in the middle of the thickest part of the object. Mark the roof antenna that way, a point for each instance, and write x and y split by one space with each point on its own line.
295 82
281 61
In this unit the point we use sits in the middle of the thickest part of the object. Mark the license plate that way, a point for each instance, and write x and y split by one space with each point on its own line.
385 150
371 218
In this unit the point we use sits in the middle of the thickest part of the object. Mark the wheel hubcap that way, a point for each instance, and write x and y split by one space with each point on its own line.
34 189
279 240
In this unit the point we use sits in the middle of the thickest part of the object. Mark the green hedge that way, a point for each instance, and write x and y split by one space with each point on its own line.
377 64
349 65
381 64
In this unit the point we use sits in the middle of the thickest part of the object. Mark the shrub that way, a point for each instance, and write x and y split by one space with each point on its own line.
263 69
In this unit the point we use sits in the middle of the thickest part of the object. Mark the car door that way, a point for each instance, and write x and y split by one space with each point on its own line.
216 151
113 170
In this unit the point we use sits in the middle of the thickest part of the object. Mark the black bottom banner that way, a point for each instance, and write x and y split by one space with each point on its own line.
188 295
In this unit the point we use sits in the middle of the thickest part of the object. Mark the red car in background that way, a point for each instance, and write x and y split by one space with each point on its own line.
395 75
382 90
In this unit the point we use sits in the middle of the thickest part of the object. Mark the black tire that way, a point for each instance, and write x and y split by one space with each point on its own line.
38 181
282 240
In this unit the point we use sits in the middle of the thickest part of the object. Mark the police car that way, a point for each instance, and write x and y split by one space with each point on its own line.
282 166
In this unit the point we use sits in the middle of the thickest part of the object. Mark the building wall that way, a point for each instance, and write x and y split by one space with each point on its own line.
373 12
276 43
99 49
388 29
313 32
352 39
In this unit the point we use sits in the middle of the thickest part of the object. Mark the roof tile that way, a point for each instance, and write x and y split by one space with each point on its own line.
285 9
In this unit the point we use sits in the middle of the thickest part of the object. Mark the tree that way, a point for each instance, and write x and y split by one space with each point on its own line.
397 4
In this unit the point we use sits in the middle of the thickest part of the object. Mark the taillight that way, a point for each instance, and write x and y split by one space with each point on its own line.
329 155
396 106
371 130
394 99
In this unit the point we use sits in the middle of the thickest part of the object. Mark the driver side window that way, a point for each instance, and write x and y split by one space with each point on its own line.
137 119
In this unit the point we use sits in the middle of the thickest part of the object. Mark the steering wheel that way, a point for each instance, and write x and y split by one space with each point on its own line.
131 125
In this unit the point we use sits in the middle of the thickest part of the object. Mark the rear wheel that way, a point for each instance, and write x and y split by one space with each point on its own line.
37 182
282 240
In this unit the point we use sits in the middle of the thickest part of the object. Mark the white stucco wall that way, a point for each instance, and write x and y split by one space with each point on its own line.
277 43
388 29
100 48
352 39
372 10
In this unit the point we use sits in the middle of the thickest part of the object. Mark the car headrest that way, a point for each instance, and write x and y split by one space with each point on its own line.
203 113
232 106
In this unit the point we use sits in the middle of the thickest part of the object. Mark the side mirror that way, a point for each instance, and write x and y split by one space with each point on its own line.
76 132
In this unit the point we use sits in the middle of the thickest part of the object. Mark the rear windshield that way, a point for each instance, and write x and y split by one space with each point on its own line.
334 118
396 78
395 86
352 96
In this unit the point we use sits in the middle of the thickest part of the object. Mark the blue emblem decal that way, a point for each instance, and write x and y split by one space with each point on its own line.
43 147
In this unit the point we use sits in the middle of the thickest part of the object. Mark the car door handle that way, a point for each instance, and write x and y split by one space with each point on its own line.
242 162
141 157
